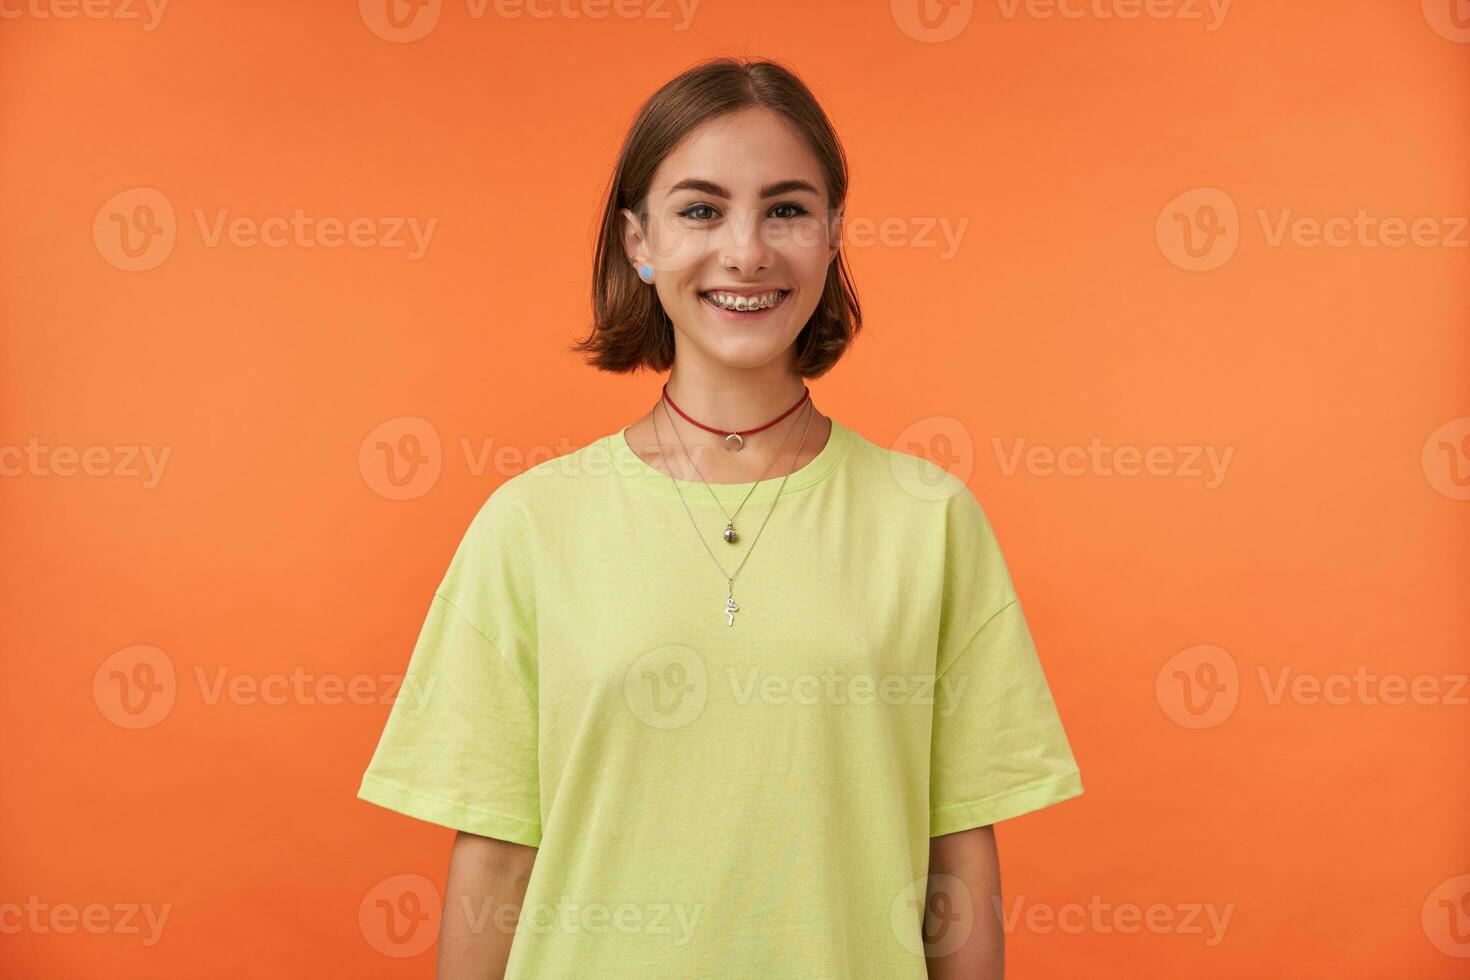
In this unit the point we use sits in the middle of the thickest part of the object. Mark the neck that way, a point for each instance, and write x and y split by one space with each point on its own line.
732 400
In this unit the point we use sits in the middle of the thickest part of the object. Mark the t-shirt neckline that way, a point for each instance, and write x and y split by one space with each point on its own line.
632 467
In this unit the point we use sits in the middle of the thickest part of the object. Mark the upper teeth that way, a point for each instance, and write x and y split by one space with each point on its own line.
734 302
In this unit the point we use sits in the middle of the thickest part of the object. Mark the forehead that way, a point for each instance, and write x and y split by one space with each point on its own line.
742 151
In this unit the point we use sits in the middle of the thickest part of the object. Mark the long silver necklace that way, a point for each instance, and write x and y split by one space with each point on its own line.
729 533
730 605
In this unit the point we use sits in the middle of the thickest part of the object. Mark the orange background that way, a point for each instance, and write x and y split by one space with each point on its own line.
1334 834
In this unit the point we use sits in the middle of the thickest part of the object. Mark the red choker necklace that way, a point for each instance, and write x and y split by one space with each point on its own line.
735 440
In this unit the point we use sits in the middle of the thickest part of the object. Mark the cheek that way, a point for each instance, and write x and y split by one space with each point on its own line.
678 248
810 268
805 251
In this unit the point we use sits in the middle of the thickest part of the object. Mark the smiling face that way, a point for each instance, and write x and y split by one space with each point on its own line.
739 236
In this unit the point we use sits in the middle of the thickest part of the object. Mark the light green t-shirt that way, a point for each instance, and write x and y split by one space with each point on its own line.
714 800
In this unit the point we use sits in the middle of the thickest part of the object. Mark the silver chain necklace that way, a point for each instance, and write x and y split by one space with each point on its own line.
730 606
729 533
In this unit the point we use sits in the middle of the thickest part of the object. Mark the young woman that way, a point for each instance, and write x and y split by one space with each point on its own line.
731 691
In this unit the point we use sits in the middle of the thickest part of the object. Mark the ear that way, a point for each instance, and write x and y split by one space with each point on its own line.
632 238
834 230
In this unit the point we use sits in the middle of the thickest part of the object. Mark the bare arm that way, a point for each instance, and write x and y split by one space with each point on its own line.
964 876
483 893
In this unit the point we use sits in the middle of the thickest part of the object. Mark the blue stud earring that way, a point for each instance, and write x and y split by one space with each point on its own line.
645 272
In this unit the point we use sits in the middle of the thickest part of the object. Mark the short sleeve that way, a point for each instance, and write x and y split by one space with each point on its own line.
998 749
459 747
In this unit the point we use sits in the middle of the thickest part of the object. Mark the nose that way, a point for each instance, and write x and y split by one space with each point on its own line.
743 249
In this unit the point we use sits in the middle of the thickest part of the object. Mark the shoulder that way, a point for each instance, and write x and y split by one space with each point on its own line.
498 548
913 479
541 491
938 505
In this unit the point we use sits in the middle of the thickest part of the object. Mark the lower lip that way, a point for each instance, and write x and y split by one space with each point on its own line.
753 315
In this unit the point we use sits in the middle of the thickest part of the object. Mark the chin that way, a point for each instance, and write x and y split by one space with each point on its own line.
747 352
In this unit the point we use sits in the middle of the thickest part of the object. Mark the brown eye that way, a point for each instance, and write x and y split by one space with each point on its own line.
687 212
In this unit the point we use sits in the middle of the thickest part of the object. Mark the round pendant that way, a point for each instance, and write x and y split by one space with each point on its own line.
734 442
730 534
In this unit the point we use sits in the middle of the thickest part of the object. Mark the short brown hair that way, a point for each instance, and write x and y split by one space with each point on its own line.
630 328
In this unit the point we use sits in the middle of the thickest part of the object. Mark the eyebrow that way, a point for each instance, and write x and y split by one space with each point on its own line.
770 190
